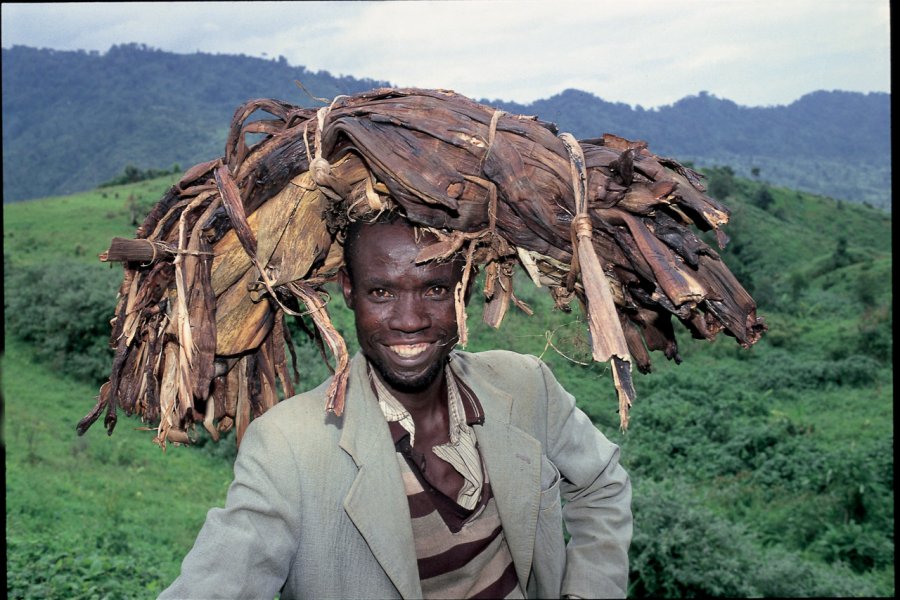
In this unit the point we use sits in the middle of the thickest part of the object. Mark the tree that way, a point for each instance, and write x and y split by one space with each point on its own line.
840 257
763 198
721 182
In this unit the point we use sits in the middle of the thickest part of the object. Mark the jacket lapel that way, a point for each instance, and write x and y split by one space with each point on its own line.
513 461
376 502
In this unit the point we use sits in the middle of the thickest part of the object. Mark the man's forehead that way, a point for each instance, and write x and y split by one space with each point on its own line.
386 244
393 238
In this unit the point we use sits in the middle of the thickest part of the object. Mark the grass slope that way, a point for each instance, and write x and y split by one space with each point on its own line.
79 226
93 516
760 472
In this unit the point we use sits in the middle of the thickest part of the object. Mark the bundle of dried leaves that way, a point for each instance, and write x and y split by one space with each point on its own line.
242 241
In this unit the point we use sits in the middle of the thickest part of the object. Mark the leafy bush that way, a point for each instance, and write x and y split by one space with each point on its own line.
723 431
782 370
225 449
682 549
856 545
784 574
39 569
132 174
875 334
721 182
63 309
763 198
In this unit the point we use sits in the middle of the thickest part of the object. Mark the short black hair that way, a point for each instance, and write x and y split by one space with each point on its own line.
388 217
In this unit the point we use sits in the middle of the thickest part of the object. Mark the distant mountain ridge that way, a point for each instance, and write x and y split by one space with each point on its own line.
73 119
834 143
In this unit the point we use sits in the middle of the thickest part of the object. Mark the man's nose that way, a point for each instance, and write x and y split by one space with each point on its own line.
409 315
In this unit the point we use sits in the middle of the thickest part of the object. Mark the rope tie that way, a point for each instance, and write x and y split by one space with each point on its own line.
492 134
321 170
319 166
162 247
607 338
582 226
152 258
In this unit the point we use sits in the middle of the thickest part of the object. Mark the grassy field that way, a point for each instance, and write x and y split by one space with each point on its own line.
758 472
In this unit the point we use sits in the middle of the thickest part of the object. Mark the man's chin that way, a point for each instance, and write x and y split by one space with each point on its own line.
411 384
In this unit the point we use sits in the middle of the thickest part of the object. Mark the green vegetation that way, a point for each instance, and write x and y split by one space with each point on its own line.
79 226
93 516
132 174
757 472
63 310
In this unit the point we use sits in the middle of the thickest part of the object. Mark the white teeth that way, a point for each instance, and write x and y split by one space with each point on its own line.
409 350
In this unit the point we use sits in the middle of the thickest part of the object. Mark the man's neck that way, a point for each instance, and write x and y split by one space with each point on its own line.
423 405
427 407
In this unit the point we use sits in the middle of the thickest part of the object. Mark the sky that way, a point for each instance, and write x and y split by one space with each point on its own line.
640 52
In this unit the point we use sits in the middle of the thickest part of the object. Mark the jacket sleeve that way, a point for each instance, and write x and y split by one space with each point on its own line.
245 550
596 492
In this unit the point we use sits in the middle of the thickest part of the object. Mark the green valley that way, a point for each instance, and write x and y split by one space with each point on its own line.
757 472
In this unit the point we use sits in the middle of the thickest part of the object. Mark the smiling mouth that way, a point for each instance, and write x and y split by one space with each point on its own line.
409 350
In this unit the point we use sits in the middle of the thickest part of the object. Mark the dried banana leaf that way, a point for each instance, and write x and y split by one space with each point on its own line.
246 240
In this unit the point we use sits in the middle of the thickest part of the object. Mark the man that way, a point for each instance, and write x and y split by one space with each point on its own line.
443 477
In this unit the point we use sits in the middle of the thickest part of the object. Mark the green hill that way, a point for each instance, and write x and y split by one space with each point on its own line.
72 120
760 472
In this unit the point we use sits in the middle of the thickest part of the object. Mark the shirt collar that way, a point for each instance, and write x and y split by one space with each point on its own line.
400 421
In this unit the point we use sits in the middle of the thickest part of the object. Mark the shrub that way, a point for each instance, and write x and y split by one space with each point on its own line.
782 370
721 182
63 310
763 198
875 334
225 449
784 574
681 550
857 546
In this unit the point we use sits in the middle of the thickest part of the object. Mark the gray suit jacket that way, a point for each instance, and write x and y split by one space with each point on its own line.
317 508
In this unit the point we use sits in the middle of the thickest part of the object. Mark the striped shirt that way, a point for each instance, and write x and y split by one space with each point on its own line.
460 546
461 451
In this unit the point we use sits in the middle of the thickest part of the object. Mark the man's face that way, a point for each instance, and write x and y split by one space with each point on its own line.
405 313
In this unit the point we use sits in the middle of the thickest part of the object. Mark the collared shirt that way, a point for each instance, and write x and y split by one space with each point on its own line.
461 550
461 452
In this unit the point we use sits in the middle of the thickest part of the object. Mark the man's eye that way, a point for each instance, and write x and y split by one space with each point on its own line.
380 293
438 291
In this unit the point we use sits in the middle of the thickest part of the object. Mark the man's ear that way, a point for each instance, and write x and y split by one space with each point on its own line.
346 286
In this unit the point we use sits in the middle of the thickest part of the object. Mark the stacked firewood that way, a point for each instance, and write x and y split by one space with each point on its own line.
244 241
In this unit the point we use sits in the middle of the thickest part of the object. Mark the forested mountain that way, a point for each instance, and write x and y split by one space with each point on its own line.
74 119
